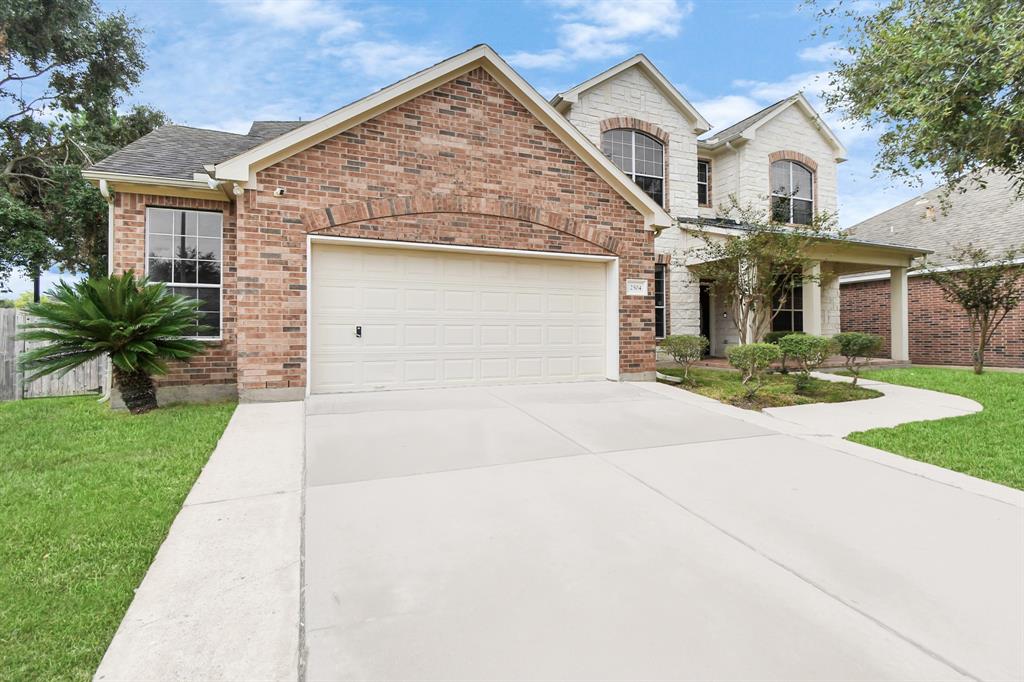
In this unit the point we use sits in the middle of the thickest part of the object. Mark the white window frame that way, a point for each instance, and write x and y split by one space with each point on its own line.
660 271
632 159
791 197
706 183
172 285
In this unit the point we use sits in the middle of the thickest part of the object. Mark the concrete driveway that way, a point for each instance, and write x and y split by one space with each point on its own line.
608 531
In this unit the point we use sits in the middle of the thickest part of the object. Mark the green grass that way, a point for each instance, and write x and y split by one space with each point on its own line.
86 497
779 389
988 444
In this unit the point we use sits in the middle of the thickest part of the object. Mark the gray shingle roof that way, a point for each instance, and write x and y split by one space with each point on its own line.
174 151
990 218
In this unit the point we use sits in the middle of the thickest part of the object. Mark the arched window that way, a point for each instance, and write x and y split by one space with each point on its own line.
639 156
792 193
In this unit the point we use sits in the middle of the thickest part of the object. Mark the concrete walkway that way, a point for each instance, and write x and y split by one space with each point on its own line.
898 405
221 599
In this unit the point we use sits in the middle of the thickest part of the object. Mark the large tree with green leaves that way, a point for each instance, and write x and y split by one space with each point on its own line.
65 67
943 79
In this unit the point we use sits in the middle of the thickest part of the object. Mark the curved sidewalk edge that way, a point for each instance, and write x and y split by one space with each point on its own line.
942 405
898 405
221 599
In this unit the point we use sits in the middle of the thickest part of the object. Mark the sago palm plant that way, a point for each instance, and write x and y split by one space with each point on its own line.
138 324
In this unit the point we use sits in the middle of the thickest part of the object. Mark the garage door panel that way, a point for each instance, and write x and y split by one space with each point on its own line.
436 319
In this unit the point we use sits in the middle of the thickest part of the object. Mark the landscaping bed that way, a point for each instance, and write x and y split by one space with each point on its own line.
988 444
87 496
779 390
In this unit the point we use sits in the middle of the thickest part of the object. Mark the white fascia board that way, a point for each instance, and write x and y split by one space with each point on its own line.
700 124
242 168
876 276
144 179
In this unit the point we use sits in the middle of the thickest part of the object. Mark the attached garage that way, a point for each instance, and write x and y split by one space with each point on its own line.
391 316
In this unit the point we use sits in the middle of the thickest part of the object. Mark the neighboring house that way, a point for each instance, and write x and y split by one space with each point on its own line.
455 228
991 218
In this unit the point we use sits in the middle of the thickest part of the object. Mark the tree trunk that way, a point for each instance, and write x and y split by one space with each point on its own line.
137 390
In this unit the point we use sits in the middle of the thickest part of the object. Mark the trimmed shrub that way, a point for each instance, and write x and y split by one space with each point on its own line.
775 337
809 352
685 350
858 348
752 359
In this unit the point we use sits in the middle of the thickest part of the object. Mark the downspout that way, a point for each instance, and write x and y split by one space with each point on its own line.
105 192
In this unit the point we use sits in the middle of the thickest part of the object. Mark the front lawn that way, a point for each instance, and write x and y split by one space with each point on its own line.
988 444
779 389
86 497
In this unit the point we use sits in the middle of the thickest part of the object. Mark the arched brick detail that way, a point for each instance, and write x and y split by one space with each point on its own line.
802 159
787 155
616 122
631 122
317 220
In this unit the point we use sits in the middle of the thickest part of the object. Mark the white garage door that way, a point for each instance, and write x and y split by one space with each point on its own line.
403 318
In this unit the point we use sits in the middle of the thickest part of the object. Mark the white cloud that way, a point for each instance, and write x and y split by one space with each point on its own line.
18 283
728 109
602 29
829 52
551 59
386 60
299 15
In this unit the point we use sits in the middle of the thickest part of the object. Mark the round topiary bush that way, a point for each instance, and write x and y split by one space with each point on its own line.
752 359
684 349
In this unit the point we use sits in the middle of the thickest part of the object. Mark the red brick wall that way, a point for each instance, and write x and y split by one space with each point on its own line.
468 137
939 333
218 364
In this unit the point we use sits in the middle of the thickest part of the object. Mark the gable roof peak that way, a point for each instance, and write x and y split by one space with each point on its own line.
563 101
746 129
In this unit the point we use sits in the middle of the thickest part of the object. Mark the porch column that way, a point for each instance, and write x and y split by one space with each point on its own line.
899 312
812 299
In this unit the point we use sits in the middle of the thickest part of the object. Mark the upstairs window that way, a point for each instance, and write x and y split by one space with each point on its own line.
639 156
703 182
792 193
185 250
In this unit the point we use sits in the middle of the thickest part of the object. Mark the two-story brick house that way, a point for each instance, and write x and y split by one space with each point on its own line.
456 228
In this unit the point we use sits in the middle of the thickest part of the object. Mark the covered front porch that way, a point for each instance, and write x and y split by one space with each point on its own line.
813 305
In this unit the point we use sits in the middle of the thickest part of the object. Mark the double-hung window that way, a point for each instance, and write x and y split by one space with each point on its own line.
789 306
703 182
792 193
185 249
659 300
639 156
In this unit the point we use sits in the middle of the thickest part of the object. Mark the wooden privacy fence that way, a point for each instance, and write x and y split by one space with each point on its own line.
87 378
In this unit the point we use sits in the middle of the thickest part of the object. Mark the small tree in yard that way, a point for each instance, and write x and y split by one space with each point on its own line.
987 288
758 266
685 350
858 348
809 351
137 324
753 359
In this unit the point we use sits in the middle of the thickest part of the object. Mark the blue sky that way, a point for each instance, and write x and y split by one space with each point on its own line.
222 64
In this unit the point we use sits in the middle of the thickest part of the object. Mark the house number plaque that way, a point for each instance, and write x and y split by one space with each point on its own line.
636 287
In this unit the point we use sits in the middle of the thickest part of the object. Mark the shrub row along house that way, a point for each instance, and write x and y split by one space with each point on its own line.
456 228
989 217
